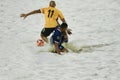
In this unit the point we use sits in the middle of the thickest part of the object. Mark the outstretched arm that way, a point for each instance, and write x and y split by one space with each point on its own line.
30 13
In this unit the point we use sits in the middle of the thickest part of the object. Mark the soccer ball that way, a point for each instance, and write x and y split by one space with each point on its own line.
40 42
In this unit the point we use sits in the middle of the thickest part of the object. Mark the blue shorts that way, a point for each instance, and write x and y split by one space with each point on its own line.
60 46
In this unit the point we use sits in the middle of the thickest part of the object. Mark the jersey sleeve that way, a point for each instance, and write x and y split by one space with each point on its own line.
60 15
42 10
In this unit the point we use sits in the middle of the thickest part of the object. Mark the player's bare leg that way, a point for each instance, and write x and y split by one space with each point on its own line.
44 38
64 50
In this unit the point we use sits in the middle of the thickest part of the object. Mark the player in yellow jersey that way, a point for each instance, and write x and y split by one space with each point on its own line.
51 15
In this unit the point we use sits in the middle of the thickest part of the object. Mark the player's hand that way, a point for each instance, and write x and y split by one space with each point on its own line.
69 31
23 15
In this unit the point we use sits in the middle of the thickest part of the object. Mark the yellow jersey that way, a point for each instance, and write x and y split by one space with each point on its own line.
51 15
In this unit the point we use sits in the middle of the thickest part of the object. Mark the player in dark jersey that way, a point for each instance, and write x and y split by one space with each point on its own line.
58 37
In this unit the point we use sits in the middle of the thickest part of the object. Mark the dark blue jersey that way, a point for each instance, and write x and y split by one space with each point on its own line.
57 37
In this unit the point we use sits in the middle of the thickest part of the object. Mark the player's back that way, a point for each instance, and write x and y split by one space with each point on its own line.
51 15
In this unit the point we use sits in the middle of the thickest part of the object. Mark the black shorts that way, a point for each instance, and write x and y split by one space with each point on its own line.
47 31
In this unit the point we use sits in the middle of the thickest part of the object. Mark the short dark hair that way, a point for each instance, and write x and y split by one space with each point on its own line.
64 25
52 3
